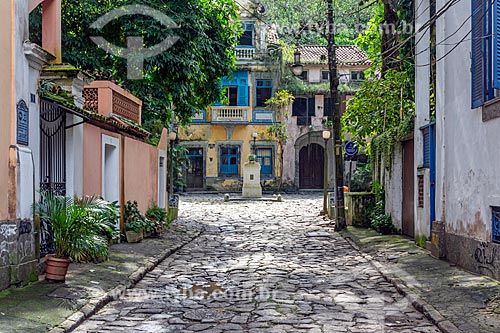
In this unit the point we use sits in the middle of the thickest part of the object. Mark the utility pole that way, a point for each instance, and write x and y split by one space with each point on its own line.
340 223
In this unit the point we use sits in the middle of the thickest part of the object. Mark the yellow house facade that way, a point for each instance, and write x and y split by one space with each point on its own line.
220 138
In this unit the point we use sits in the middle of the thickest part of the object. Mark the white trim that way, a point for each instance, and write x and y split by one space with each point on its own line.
162 179
115 165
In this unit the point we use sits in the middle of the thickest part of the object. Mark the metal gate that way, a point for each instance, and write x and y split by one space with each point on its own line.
52 161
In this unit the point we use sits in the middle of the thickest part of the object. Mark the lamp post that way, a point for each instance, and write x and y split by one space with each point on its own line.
254 136
326 137
172 136
297 67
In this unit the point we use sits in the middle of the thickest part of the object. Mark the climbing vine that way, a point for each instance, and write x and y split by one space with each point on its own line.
280 102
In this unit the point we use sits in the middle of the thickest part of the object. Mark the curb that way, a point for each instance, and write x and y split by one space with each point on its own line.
418 303
93 306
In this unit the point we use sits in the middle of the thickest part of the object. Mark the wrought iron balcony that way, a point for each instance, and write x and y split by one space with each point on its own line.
230 113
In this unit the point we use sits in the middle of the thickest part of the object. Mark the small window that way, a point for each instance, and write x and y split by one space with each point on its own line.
496 224
421 192
265 157
246 38
232 96
264 91
304 76
325 75
229 160
357 76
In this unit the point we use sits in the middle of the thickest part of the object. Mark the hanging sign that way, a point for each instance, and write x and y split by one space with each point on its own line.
23 124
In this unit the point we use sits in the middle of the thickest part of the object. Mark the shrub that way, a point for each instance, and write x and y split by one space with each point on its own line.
134 220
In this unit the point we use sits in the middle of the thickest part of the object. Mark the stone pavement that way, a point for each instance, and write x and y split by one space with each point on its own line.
470 302
261 267
42 306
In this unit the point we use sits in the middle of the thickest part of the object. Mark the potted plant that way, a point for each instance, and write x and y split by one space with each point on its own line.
158 218
74 224
135 223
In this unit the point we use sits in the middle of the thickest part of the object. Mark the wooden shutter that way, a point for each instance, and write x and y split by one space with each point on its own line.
496 45
478 52
242 78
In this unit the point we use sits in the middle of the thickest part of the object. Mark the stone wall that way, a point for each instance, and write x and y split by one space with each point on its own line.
358 208
474 255
18 258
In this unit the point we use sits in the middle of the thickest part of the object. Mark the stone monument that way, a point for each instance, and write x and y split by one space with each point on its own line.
251 179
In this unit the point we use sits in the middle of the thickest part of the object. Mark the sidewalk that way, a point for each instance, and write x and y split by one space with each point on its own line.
455 300
42 307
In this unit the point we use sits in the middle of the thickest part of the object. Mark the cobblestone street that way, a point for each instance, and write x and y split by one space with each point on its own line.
261 267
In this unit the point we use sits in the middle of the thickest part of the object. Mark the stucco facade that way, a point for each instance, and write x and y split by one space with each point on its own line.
221 137
467 187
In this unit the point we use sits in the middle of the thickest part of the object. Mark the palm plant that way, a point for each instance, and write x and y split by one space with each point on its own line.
76 225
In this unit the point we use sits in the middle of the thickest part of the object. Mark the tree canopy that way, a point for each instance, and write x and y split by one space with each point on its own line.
305 22
185 77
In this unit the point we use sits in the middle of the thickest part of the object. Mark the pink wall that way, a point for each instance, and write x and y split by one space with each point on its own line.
6 111
141 173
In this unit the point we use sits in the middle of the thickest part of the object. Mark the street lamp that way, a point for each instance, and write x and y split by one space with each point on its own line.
172 136
297 67
326 137
254 135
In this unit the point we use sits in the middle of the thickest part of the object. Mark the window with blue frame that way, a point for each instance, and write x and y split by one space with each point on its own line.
485 67
264 91
229 160
265 157
246 39
496 224
237 88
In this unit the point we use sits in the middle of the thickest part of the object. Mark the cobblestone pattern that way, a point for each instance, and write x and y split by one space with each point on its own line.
261 267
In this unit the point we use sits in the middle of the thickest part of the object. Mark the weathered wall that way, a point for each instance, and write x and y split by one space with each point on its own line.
210 136
18 263
422 106
468 151
394 188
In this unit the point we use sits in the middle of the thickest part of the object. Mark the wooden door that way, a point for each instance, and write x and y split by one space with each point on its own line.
195 170
311 168
408 189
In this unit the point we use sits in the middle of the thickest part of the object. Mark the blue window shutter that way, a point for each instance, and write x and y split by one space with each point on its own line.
242 78
427 148
312 107
496 45
478 53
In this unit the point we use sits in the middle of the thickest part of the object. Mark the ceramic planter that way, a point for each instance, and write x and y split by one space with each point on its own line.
133 237
56 268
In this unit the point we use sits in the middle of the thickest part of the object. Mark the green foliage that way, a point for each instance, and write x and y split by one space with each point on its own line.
382 146
181 161
157 217
361 179
134 220
107 218
76 225
187 76
380 220
421 241
371 40
308 19
380 105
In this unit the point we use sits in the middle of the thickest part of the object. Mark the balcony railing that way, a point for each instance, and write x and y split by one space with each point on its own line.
230 113
245 53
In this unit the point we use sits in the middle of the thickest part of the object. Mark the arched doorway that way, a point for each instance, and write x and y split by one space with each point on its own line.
311 166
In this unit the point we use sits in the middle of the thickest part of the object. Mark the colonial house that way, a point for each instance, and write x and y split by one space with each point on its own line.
457 155
63 132
221 137
304 153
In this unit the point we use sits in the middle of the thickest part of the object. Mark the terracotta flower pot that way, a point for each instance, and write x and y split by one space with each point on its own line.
56 268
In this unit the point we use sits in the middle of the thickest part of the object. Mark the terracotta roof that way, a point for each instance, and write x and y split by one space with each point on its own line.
346 55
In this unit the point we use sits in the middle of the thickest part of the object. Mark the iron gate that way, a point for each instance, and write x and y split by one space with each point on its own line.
52 161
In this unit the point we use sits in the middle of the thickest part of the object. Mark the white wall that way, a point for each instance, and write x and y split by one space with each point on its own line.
468 152
422 96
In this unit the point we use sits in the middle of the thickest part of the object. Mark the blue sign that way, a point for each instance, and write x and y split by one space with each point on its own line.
23 124
351 149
